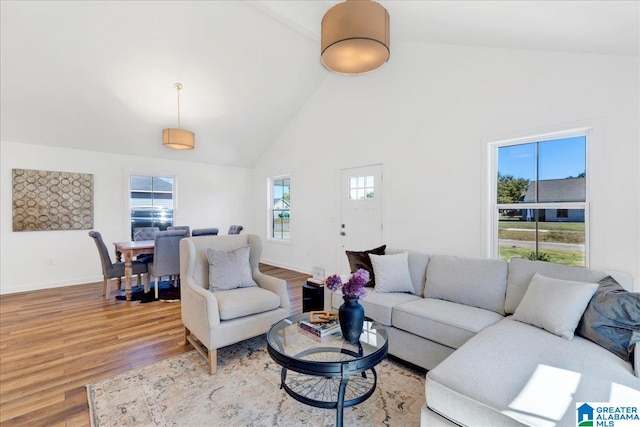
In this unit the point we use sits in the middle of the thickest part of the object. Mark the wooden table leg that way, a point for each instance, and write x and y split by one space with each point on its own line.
128 271
118 259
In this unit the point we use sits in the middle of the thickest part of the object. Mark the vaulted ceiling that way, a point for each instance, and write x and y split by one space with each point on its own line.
100 75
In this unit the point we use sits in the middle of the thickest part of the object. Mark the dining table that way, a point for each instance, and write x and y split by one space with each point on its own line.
129 250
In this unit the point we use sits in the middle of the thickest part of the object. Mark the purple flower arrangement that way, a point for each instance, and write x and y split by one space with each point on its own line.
354 288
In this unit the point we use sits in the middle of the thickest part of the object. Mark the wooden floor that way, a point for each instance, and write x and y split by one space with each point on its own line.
53 342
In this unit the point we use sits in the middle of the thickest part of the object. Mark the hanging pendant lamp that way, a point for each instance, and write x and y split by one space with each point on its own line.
355 37
178 139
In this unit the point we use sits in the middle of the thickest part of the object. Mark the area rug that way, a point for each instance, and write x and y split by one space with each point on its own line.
245 391
166 292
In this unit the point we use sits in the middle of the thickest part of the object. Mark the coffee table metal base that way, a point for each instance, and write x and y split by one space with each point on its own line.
330 391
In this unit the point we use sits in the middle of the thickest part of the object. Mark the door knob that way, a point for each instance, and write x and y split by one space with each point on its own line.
342 233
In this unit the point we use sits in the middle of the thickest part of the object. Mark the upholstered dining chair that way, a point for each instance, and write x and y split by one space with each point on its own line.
235 229
186 228
218 318
145 233
112 270
204 232
166 257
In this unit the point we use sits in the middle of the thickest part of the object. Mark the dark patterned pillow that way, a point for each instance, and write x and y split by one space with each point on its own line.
361 260
612 318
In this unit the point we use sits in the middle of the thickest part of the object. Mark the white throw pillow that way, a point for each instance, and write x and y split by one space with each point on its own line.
229 270
393 271
555 305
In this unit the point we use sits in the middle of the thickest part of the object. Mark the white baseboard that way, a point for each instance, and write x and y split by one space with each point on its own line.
38 286
59 284
287 266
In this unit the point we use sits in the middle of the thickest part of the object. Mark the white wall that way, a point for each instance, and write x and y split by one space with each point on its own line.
428 116
207 196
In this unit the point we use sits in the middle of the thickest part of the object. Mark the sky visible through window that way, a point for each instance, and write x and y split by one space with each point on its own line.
281 186
559 159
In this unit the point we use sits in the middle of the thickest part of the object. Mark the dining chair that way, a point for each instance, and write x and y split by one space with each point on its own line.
235 229
180 227
112 270
204 232
145 233
166 257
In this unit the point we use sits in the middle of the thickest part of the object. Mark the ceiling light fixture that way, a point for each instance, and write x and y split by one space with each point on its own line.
178 139
355 37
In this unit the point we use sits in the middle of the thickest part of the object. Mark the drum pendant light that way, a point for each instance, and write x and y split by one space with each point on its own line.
178 139
355 37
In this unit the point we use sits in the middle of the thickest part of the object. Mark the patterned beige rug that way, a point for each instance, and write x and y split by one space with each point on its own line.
244 392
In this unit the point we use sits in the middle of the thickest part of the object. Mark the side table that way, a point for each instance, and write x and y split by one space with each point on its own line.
312 297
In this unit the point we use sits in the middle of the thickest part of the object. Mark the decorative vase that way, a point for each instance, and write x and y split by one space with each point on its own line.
351 317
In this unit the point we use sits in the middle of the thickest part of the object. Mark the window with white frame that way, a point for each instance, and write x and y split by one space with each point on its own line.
280 207
151 201
361 187
540 205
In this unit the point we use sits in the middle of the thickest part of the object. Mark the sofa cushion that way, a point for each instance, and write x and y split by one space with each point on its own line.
360 259
512 373
612 318
444 322
241 302
522 270
392 272
475 282
418 262
377 305
555 305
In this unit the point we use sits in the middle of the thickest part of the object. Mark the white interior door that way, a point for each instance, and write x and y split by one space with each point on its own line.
361 205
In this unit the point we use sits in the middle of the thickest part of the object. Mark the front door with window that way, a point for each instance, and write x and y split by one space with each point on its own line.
361 206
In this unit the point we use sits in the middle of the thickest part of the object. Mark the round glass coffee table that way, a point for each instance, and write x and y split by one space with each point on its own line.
327 372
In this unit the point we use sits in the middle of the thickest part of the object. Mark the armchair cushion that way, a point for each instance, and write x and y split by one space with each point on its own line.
241 302
229 269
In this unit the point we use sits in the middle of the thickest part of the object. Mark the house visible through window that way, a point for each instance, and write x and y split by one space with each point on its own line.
280 208
151 201
540 199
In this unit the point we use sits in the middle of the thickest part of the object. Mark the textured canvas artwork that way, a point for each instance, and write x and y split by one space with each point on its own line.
46 200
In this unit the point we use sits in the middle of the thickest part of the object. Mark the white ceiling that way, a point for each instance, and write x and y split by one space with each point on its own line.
99 75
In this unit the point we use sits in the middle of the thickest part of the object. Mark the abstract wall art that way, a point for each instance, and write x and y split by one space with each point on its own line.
46 200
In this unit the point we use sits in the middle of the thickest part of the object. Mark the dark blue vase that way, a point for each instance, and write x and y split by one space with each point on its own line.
351 317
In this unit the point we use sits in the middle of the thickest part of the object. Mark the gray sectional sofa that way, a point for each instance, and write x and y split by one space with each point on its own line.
485 368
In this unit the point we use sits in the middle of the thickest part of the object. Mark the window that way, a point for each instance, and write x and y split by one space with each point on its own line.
151 201
540 199
361 187
280 208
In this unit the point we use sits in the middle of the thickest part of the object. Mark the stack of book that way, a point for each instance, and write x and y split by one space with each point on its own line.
320 329
315 281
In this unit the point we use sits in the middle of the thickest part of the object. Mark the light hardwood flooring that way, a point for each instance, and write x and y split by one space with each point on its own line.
55 341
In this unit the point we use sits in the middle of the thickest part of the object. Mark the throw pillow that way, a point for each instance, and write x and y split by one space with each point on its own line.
554 305
392 272
361 260
612 318
229 270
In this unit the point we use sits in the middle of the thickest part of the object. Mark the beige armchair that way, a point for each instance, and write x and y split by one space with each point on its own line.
201 309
